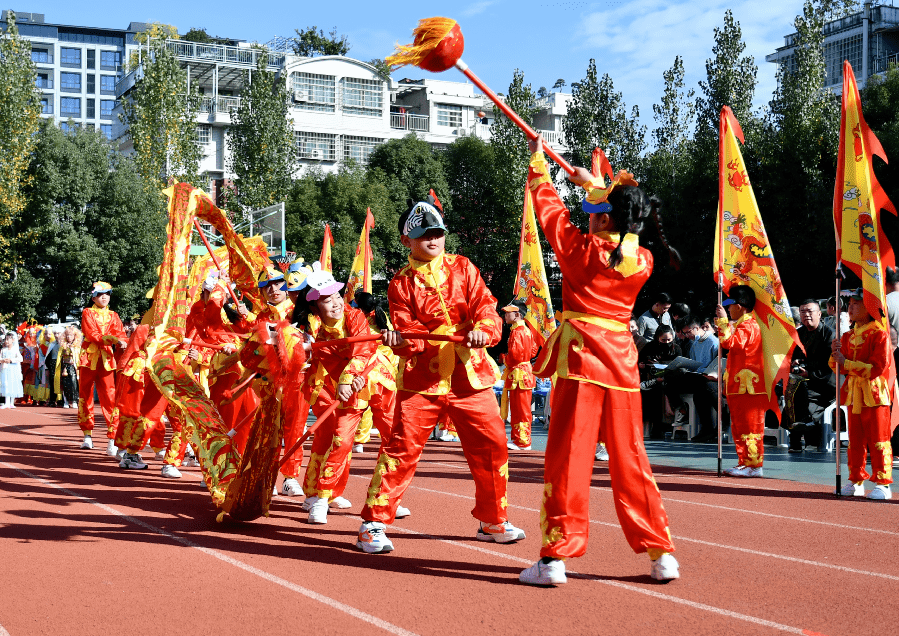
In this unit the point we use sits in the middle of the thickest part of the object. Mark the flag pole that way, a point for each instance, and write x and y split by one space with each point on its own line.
720 264
838 454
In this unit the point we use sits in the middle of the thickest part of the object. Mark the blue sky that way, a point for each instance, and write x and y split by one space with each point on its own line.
635 41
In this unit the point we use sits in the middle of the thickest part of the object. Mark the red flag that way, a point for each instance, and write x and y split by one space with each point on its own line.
325 258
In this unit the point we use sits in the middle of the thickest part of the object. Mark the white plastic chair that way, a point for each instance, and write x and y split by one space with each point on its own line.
691 428
830 437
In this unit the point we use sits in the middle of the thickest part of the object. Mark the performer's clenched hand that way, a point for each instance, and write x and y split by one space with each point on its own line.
476 339
358 383
392 338
344 392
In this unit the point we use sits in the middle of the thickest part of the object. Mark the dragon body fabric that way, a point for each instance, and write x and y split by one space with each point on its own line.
220 461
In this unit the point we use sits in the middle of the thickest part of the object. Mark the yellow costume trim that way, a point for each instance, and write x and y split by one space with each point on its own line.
538 163
550 535
385 464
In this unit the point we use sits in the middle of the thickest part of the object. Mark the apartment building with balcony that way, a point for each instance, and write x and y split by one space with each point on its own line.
77 68
869 39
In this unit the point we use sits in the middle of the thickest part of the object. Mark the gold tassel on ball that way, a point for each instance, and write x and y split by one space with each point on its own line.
428 34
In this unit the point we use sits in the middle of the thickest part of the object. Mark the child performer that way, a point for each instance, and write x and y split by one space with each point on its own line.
746 396
10 371
102 330
335 373
597 393
442 294
69 353
518 376
863 354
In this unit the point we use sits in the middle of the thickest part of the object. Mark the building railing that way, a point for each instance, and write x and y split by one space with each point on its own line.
41 82
485 132
219 104
408 121
42 58
232 55
47 109
881 64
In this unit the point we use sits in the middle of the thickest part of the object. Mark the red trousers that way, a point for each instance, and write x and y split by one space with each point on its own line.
328 470
237 411
140 406
105 381
294 425
747 425
481 431
869 432
181 435
520 411
582 412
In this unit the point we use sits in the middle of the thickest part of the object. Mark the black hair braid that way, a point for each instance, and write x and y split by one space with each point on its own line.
301 310
635 213
369 303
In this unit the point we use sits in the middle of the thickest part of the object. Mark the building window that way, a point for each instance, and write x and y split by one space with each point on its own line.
359 148
110 60
46 105
91 59
91 84
90 107
362 96
835 52
107 84
314 92
70 82
41 56
449 115
70 57
106 106
66 127
319 146
106 129
204 134
42 80
70 107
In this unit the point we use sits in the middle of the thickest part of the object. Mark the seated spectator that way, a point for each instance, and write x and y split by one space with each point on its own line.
703 349
639 340
678 311
812 386
652 318
661 350
709 325
830 319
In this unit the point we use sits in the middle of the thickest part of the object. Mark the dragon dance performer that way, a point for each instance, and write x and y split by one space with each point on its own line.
863 352
518 376
102 330
441 293
335 373
598 388
747 399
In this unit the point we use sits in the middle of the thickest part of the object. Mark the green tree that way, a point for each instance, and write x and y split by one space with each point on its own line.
383 67
409 168
261 141
198 35
559 85
161 113
20 111
597 117
312 41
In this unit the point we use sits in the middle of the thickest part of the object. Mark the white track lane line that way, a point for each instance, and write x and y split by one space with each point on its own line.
221 556
722 546
3 632
666 499
624 586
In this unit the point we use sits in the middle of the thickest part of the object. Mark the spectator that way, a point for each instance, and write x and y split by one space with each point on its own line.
830 319
703 349
892 290
639 340
678 311
661 350
812 386
709 325
655 316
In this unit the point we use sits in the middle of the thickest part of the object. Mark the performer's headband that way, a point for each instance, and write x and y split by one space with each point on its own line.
100 288
422 217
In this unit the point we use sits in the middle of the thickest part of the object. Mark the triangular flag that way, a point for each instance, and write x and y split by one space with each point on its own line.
360 272
531 285
325 258
743 254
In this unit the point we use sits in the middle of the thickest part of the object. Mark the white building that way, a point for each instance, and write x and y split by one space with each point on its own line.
869 39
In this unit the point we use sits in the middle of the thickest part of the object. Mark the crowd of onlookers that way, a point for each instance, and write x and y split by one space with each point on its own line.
668 331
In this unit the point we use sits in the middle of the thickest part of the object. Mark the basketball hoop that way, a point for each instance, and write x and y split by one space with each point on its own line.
291 256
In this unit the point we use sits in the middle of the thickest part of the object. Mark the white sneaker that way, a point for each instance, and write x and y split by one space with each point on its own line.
308 503
291 487
503 532
340 503
132 461
111 448
120 454
372 539
402 512
852 490
170 471
160 455
757 471
190 462
601 453
512 445
358 449
665 568
318 513
552 573
881 492
448 437
88 443
738 471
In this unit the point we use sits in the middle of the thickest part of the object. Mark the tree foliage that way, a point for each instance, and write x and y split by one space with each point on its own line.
312 41
261 141
161 115
19 119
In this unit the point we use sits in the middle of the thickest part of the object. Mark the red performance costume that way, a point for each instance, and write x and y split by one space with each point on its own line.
102 330
866 395
444 296
519 383
597 394
744 387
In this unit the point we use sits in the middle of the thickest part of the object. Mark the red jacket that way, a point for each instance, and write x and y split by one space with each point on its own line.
102 330
745 372
522 347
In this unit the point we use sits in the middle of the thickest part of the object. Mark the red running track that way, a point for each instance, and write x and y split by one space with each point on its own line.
88 548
